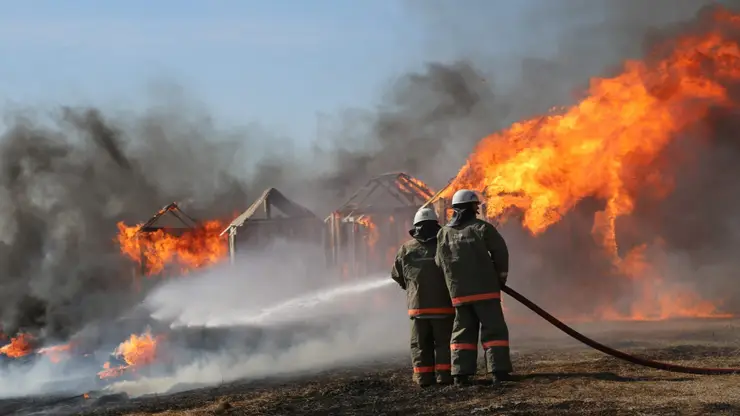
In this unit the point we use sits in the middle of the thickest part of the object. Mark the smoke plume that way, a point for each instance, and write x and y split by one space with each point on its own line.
690 230
430 120
64 185
303 321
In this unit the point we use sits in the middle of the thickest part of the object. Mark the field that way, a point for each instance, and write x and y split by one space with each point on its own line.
559 377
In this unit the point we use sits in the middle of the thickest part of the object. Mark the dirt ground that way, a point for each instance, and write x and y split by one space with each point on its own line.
560 377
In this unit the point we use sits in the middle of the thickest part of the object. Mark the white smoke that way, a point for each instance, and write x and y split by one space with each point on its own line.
363 320
375 337
42 376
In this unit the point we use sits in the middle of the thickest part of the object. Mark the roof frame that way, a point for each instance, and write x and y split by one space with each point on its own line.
400 186
271 197
172 209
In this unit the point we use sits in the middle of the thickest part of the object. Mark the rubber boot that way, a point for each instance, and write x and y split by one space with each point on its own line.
463 381
425 381
502 376
444 381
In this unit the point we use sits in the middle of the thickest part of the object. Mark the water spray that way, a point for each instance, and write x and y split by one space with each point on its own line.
300 307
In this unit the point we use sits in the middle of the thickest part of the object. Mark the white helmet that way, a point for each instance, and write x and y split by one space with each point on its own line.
464 196
425 214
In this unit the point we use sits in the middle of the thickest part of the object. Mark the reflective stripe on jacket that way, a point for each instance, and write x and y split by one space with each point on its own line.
472 255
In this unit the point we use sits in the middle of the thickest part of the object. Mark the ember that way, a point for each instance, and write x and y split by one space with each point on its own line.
543 167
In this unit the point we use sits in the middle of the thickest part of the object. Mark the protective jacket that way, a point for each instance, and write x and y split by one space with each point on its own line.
473 256
416 272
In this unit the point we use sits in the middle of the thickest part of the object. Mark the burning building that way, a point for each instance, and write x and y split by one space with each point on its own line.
366 231
269 217
171 243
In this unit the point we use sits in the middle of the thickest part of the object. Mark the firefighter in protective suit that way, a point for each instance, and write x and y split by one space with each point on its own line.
429 304
475 261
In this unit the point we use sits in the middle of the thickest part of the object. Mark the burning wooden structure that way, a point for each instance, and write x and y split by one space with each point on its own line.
171 243
170 220
272 216
365 232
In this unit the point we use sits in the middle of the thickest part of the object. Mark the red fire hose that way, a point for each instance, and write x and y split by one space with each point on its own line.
610 351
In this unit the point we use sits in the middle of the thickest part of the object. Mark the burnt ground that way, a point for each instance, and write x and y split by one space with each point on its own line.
560 377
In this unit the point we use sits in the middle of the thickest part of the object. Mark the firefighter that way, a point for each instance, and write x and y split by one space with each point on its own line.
429 305
475 261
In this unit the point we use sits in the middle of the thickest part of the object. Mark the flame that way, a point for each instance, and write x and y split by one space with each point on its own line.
56 353
543 167
112 372
657 298
415 181
19 346
418 182
192 249
373 235
137 351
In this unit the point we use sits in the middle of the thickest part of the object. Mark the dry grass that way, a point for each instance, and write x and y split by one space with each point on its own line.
582 383
566 379
559 378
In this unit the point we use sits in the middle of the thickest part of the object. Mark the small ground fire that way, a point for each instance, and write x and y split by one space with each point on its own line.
19 346
137 352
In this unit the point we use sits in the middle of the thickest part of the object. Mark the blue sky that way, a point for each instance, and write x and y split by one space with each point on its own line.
276 62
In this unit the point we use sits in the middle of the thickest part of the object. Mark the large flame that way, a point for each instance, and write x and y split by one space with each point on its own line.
544 166
138 351
19 346
192 249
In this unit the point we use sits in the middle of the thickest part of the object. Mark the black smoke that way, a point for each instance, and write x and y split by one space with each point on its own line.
691 230
429 120
561 45
64 184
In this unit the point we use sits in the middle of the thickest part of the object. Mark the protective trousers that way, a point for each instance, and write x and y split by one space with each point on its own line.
486 317
430 349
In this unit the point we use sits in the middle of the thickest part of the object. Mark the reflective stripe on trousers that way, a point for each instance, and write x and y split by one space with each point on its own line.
430 347
432 311
461 300
432 369
480 320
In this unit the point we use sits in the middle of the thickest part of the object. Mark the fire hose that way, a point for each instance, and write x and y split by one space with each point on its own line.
611 351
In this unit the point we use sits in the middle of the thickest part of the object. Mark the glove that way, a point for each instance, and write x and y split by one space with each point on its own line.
401 283
503 277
